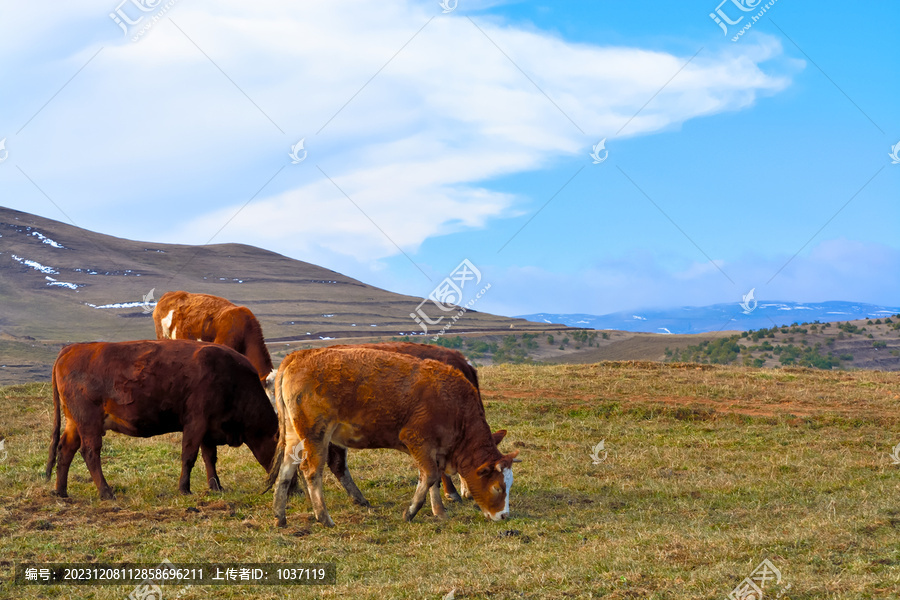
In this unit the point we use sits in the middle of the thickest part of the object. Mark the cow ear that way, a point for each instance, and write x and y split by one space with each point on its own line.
510 458
485 469
498 436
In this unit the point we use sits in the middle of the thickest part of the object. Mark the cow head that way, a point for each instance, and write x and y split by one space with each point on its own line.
491 486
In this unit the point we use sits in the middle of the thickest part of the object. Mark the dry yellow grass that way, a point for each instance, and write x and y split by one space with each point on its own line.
707 472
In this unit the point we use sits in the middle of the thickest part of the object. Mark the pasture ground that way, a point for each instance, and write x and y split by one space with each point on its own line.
707 471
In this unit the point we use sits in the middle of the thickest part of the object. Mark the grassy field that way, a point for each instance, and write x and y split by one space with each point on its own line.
706 471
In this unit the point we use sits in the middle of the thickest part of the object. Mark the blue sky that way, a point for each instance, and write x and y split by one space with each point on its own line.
434 137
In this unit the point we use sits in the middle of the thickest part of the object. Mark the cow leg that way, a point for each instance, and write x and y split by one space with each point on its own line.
337 462
313 467
437 507
90 450
69 443
464 488
287 475
190 446
429 475
315 456
449 489
210 457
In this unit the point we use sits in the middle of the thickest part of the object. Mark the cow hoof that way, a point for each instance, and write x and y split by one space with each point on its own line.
327 522
364 503
59 494
407 516
282 522
453 498
184 492
107 496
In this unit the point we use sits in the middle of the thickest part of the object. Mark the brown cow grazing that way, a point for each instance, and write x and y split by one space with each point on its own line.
448 356
184 316
337 457
364 398
148 388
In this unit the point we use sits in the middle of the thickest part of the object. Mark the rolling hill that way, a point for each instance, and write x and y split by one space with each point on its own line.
60 283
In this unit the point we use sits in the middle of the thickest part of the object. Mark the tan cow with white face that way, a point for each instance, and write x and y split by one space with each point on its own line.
366 398
337 457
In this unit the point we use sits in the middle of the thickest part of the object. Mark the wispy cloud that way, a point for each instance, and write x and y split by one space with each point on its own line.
158 125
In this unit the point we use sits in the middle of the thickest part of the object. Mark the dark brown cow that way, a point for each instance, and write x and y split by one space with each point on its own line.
184 316
365 398
148 388
337 457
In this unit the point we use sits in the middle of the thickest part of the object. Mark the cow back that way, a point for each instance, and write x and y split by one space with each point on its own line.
374 394
448 356
146 388
182 315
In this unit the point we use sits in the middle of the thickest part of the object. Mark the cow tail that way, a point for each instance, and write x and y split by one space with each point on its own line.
279 449
54 439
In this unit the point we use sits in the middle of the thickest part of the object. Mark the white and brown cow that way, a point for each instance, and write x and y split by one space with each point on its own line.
337 457
202 317
365 398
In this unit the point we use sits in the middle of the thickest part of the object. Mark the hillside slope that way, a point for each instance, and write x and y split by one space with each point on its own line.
60 283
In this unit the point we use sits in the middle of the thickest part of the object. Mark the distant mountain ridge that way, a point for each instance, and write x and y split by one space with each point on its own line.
720 317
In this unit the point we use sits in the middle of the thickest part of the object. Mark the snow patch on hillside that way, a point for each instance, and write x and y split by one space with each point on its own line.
47 240
121 305
35 265
71 286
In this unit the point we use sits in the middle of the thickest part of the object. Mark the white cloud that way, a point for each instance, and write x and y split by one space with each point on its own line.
154 123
